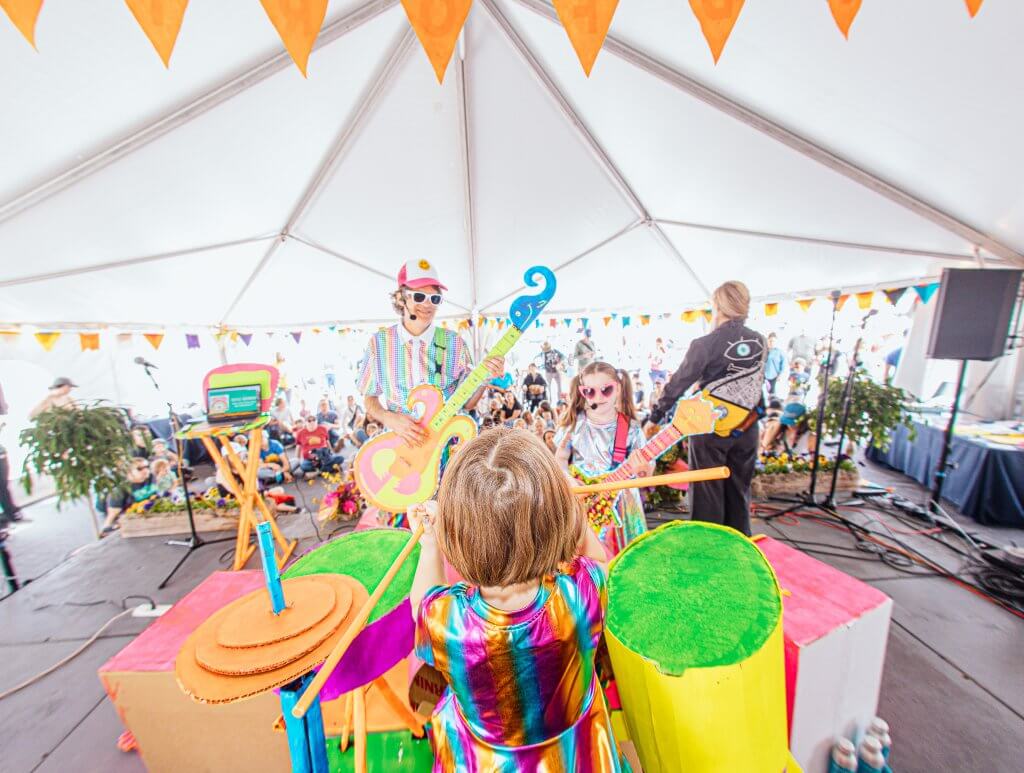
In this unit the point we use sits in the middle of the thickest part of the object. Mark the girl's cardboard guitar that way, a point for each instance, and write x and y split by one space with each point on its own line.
392 475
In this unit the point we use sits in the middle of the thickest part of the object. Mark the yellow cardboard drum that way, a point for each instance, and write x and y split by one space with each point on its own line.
694 628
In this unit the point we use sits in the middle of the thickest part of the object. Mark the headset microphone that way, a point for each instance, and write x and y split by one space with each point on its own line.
412 317
593 406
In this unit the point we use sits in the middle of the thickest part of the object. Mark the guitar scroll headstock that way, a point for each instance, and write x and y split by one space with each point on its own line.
526 308
695 416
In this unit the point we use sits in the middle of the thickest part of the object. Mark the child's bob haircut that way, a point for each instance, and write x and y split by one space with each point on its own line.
506 514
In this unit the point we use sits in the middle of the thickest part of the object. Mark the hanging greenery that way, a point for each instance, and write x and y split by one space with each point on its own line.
83 448
875 410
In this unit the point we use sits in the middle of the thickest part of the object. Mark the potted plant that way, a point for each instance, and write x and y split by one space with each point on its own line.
84 449
166 514
875 410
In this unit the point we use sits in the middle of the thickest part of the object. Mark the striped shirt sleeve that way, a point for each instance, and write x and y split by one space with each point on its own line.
368 381
463 360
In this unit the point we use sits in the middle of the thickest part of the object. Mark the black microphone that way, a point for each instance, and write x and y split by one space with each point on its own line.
145 363
593 406
412 316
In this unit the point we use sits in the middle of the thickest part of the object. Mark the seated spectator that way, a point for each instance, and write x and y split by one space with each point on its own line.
511 408
545 413
303 410
142 440
281 426
534 387
163 475
519 424
528 418
368 430
275 466
328 418
315 447
159 450
140 487
549 440
770 428
799 380
539 427
487 423
638 391
352 419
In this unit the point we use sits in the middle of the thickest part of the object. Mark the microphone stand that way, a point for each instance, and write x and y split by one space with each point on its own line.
194 541
846 402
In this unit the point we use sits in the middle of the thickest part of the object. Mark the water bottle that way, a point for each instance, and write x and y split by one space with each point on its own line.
844 757
870 759
879 728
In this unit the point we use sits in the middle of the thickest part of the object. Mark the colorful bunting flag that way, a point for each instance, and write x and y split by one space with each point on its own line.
47 340
864 299
841 301
567 321
585 321
691 315
123 339
9 336
24 14
587 23
246 338
88 342
708 315
645 319
625 322
925 292
552 322
298 24
973 6
606 320
316 331
844 12
805 303
437 24
717 18
895 294
233 335
191 340
771 309
297 335
155 339
160 20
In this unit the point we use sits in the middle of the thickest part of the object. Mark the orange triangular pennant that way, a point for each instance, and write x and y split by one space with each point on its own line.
717 18
841 301
691 315
437 24
973 6
47 340
805 303
864 299
155 339
89 341
771 309
844 12
587 23
160 20
298 24
23 14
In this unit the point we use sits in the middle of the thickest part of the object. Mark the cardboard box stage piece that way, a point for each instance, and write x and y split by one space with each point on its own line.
835 630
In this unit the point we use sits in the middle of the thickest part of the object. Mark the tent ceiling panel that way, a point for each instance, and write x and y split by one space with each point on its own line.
771 267
608 278
540 196
687 161
186 290
96 78
300 284
233 172
398 192
921 95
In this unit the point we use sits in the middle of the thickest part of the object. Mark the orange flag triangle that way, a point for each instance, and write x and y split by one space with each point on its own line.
771 309
841 301
717 18
160 20
587 22
864 299
973 6
24 13
844 12
298 24
690 315
805 303
47 340
437 24
155 339
89 341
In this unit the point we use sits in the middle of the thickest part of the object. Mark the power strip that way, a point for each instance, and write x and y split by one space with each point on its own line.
145 610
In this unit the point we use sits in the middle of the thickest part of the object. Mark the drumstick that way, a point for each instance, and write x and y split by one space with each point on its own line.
688 476
307 698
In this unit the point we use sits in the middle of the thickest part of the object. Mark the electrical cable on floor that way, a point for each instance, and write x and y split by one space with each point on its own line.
67 659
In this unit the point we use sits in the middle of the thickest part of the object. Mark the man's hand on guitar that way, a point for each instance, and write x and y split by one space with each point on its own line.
407 428
495 366
650 429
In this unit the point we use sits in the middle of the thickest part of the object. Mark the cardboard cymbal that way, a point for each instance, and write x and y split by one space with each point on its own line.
208 686
254 624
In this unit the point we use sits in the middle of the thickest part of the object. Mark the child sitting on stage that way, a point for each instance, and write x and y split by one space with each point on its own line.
598 432
516 641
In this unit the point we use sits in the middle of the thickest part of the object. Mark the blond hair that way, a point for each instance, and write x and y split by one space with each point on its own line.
577 405
732 300
506 514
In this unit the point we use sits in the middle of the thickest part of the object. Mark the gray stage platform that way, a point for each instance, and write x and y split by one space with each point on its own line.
953 688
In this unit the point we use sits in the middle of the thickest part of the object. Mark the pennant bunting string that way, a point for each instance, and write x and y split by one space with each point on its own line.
437 24
23 14
298 24
161 21
717 18
586 22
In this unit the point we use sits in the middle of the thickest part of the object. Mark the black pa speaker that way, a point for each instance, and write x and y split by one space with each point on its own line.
972 320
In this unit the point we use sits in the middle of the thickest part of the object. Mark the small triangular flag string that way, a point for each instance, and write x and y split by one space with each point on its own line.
88 342
298 24
246 338
47 340
23 14
707 314
771 309
717 18
437 25
805 303
844 12
864 299
895 294
155 339
925 292
191 340
297 335
973 6
625 321
587 23
690 315
841 301
161 21
645 319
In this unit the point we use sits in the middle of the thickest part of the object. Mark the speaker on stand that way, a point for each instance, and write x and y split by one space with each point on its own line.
972 321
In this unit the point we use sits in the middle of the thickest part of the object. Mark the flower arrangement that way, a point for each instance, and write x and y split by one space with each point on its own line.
343 501
174 502
785 463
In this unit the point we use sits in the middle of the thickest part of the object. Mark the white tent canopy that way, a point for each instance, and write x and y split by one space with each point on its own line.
230 190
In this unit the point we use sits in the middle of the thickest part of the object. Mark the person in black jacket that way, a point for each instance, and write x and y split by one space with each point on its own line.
731 348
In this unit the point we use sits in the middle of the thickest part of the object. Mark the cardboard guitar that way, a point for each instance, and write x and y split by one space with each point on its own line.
392 475
693 416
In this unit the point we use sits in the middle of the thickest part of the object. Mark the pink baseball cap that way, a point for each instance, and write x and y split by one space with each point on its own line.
419 273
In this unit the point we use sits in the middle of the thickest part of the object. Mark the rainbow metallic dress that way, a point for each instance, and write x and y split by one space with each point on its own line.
522 692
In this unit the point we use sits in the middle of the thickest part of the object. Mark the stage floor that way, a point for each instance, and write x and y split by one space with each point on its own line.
953 689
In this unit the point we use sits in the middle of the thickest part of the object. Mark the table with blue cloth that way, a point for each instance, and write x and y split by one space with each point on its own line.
987 482
195 453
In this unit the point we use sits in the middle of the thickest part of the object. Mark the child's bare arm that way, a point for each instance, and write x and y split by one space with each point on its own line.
430 569
591 547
